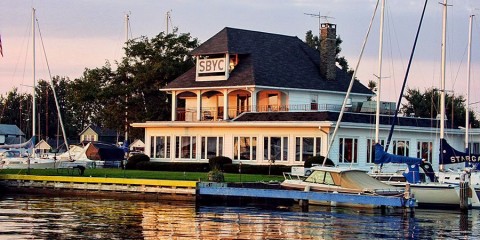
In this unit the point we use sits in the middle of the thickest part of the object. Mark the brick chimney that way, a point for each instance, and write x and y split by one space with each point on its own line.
328 38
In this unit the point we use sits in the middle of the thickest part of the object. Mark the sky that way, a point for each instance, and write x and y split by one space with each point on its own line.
84 34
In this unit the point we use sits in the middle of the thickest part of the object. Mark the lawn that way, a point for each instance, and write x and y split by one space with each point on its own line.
139 174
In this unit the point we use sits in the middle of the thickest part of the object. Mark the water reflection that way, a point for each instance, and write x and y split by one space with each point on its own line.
37 217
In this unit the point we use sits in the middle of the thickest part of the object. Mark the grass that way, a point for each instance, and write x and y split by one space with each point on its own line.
139 174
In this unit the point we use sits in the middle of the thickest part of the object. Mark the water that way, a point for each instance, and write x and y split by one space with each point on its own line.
39 217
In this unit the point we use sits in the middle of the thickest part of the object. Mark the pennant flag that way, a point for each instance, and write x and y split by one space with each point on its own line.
1 49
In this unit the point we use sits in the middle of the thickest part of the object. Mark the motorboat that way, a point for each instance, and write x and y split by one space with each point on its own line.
340 180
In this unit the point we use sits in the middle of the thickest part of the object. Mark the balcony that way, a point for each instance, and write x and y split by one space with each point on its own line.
216 113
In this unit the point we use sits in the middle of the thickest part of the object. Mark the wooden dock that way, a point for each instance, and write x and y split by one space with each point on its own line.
179 190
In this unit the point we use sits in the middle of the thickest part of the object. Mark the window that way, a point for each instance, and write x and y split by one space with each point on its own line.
272 102
186 147
320 177
89 138
162 147
424 151
474 148
211 147
401 148
347 150
306 147
275 148
245 148
371 149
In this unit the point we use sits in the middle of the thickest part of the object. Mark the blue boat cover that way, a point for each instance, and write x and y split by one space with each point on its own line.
448 155
383 157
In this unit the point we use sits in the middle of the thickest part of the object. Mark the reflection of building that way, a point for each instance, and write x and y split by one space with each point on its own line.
256 97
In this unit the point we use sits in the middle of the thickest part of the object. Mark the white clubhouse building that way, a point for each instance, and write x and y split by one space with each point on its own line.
257 97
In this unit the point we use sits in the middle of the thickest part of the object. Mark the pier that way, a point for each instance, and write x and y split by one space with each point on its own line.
183 190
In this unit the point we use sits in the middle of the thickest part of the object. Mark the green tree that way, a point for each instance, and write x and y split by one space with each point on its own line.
427 105
16 108
314 42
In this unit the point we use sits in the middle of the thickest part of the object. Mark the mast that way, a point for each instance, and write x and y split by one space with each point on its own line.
380 54
442 85
33 93
467 99
127 18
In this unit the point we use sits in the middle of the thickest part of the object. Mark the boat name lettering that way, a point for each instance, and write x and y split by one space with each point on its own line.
458 159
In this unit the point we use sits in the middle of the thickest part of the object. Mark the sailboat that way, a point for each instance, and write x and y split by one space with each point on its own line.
449 155
10 159
427 190
341 179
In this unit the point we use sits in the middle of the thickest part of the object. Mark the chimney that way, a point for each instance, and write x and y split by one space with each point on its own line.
328 38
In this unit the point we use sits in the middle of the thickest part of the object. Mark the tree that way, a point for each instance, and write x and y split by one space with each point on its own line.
426 105
16 108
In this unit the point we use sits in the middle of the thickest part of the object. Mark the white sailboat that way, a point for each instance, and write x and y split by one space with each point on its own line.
427 191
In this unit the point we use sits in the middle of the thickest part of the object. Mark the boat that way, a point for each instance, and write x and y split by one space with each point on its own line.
450 155
340 180
11 160
418 174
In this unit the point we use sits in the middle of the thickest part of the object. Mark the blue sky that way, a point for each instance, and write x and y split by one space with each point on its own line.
86 33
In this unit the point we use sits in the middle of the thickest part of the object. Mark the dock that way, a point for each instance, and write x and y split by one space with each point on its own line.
182 190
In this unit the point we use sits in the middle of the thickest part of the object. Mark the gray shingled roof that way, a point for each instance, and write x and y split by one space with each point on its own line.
267 59
10 129
333 116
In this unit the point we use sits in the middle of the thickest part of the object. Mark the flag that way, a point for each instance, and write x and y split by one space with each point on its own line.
1 49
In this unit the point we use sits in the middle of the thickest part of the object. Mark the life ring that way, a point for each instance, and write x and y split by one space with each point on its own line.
308 172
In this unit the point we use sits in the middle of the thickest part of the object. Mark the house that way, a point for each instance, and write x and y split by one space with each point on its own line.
257 97
97 134
42 148
137 146
11 134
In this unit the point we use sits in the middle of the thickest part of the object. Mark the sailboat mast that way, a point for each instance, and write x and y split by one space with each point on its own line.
442 84
127 18
34 129
380 54
467 99
442 93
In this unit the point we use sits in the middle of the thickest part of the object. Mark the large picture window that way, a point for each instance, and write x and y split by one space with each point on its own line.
160 147
212 147
245 148
401 148
348 150
275 148
425 151
306 147
186 147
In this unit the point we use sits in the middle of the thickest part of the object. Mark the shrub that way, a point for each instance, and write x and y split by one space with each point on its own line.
216 175
318 160
218 162
133 160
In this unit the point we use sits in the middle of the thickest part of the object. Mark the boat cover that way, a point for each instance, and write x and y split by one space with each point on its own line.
383 157
449 155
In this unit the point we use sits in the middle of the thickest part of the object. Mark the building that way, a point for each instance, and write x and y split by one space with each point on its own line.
257 97
97 134
11 134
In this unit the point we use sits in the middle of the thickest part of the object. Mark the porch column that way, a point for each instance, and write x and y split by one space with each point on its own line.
254 101
174 105
199 105
225 104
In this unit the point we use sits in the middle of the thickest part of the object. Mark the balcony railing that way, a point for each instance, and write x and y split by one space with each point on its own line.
216 113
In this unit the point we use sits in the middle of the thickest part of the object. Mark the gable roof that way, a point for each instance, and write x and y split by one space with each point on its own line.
10 129
267 59
333 116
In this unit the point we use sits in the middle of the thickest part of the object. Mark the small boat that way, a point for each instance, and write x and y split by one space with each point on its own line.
13 159
340 180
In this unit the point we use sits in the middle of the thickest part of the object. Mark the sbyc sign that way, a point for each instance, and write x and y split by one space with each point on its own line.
211 65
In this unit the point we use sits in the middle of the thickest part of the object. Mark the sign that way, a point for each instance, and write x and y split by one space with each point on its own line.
212 65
